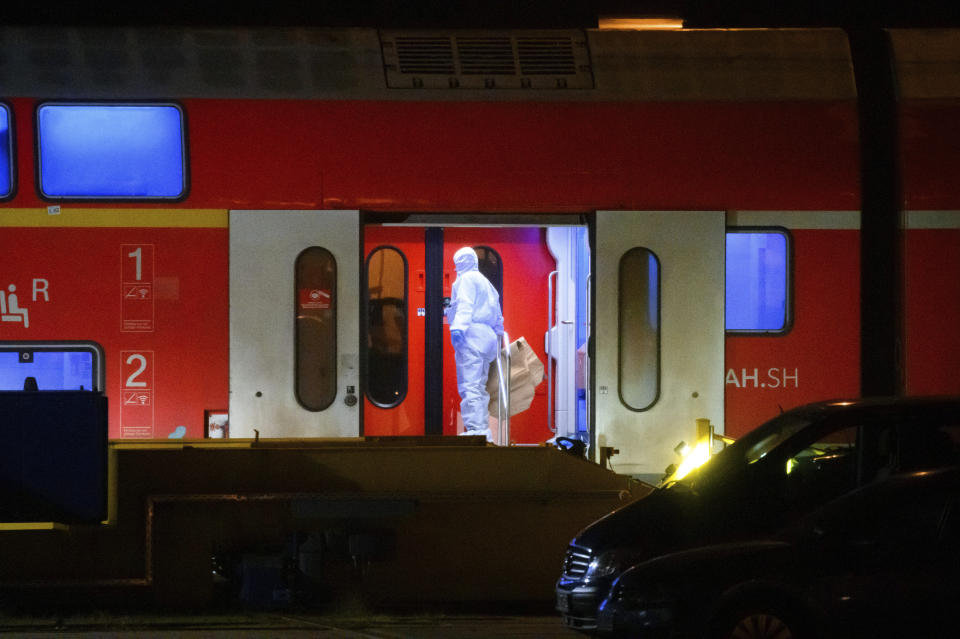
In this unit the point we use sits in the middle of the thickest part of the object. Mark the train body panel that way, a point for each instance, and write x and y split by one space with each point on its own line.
765 374
155 298
932 301
928 110
509 157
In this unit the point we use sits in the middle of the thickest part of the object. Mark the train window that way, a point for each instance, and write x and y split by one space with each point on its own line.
111 151
51 366
386 299
316 328
6 153
491 267
758 281
639 301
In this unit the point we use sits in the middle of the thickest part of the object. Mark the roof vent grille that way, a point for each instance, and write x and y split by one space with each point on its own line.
486 60
546 56
419 55
486 56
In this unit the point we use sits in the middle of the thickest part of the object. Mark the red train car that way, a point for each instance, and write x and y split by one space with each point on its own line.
673 220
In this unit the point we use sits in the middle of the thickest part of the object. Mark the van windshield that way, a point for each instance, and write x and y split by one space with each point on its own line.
750 448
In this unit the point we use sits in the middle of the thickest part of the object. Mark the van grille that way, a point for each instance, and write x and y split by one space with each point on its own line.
576 562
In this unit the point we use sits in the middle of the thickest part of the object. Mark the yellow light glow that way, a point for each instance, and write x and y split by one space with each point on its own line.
697 458
640 24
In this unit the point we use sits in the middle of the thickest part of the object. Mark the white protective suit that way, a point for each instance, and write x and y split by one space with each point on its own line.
474 312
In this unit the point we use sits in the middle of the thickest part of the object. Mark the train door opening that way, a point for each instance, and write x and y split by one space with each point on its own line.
542 274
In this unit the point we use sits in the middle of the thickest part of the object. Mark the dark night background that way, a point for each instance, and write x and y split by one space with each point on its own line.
487 13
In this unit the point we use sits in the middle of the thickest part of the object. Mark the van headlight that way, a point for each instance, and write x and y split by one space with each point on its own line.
609 563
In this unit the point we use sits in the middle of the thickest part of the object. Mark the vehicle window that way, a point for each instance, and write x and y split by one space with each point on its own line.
770 436
757 281
927 446
823 468
831 445
386 326
639 324
316 328
749 449
111 151
895 519
950 529
6 153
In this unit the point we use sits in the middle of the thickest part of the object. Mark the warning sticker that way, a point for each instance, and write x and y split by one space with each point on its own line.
314 298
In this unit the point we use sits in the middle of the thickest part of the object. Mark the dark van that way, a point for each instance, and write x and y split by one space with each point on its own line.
783 469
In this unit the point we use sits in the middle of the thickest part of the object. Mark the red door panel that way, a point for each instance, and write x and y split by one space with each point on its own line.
407 417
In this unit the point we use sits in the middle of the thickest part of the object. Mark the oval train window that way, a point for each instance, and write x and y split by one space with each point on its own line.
639 326
316 328
491 266
386 306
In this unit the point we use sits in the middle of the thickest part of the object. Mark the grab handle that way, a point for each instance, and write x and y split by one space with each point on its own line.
551 315
503 400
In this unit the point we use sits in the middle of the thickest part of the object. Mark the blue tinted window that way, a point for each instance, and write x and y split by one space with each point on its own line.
111 151
51 370
6 153
757 281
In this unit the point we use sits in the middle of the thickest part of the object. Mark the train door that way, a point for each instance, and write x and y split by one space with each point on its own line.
659 333
294 323
394 309
414 263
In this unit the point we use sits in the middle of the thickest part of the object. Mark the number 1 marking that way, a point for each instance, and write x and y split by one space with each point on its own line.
136 255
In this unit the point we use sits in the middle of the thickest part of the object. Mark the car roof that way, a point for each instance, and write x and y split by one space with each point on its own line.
883 402
893 405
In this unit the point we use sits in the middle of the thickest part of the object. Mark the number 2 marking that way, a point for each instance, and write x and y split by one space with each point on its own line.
131 381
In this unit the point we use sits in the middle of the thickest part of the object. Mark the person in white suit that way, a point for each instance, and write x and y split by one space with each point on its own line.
476 327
